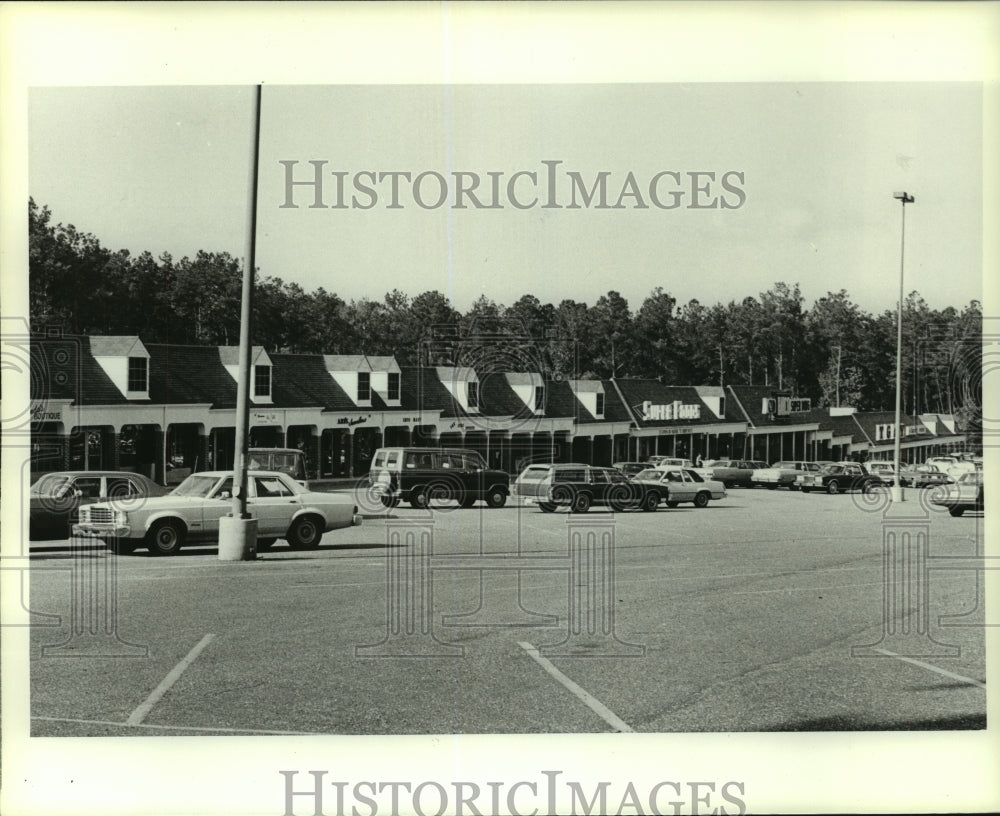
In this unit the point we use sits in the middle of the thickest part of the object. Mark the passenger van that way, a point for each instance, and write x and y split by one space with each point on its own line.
421 476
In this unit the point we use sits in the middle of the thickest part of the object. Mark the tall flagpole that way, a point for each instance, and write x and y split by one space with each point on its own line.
238 532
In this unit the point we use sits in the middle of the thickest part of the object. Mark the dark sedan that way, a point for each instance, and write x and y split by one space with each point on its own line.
55 498
843 477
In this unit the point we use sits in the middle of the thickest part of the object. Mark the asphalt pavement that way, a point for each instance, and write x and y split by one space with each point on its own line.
766 611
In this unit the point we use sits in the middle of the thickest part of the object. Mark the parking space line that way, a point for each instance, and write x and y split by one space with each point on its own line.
932 668
205 729
137 716
587 699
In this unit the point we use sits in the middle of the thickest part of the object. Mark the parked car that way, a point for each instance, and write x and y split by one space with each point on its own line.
842 477
422 475
884 468
965 494
55 498
656 461
734 472
952 465
630 468
781 474
191 513
579 487
923 476
682 485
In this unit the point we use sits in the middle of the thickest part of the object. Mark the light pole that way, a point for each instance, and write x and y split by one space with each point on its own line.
897 488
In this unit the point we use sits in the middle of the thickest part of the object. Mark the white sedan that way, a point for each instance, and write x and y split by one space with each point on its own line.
681 485
190 514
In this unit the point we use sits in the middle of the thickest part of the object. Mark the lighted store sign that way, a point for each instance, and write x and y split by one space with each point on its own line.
673 410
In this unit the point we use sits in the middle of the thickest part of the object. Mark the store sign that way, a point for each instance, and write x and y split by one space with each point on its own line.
44 412
671 411
674 431
356 421
265 417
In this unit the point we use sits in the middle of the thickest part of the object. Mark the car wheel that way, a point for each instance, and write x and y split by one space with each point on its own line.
264 544
867 487
701 499
957 511
581 503
772 487
805 489
650 502
305 533
418 499
833 487
389 501
546 507
165 538
672 503
496 497
729 485
121 546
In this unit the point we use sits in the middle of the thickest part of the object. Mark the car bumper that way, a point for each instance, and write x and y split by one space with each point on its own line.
95 530
356 520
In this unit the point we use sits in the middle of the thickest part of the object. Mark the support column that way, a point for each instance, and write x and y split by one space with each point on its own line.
349 453
203 447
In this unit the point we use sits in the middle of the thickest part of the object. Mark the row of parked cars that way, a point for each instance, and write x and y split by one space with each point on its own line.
136 512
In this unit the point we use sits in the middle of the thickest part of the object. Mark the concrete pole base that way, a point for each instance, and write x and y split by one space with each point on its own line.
237 539
896 494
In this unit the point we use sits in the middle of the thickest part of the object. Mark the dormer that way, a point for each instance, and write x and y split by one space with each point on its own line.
463 384
261 387
126 362
385 379
714 398
353 373
529 389
590 393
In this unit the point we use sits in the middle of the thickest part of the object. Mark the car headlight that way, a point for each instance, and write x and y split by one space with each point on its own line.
121 517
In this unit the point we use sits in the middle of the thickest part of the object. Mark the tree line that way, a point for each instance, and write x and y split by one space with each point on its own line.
833 351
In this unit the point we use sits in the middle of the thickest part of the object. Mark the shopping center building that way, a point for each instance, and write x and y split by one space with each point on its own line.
103 402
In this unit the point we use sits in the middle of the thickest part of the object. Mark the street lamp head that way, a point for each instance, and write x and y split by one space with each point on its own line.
905 197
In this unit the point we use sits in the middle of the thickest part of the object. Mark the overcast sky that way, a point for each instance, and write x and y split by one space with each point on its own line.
165 169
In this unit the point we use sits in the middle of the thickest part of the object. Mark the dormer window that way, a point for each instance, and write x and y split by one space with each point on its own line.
262 381
393 389
364 386
473 394
138 374
599 412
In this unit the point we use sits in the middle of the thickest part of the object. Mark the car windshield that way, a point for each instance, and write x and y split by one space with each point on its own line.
779 465
975 477
197 485
831 469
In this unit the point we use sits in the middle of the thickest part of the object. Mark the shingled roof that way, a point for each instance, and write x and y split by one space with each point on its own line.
189 374
63 368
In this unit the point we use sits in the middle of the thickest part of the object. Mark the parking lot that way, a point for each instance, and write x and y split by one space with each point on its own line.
765 611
